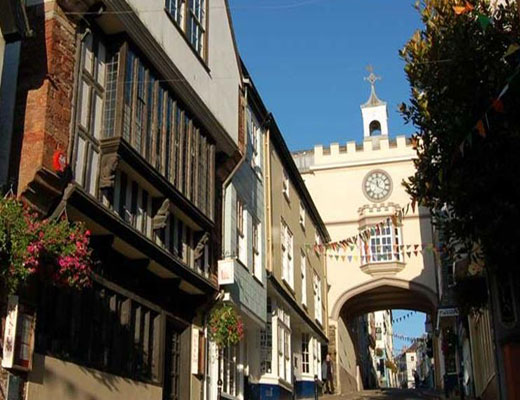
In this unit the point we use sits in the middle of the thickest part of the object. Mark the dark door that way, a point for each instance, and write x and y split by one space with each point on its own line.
172 360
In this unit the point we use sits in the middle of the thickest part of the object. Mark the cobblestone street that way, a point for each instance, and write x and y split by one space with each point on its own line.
387 394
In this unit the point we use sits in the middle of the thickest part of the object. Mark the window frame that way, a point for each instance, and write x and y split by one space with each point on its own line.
387 237
184 20
303 268
318 305
87 151
287 247
285 184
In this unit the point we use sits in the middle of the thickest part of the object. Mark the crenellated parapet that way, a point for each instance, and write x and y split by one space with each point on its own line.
371 150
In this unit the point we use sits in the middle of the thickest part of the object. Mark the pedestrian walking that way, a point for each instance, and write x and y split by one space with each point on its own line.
327 371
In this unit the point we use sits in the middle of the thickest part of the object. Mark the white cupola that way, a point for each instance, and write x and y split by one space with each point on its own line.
374 111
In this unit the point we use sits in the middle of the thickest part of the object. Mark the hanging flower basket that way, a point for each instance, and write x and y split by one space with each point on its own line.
55 251
225 326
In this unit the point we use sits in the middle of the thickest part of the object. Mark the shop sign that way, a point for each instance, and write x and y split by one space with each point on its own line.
226 272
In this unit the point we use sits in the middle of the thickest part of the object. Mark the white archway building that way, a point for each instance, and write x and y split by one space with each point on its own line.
356 186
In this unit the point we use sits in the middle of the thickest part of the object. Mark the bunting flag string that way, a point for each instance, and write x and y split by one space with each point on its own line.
364 235
404 317
383 250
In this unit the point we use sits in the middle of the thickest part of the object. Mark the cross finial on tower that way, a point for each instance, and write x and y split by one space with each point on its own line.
372 78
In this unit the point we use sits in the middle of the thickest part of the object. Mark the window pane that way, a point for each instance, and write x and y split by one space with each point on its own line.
100 61
98 115
94 167
79 167
84 109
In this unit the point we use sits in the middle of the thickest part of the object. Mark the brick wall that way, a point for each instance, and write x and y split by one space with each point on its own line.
45 91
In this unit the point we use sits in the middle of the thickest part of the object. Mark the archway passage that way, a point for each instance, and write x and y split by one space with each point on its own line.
384 293
368 352
387 297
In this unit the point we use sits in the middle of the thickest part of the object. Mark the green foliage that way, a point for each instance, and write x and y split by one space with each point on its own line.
225 326
457 68
55 251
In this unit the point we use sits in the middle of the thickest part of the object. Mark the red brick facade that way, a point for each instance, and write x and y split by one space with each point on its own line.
45 92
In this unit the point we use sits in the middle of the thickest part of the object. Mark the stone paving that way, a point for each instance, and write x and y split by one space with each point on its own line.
386 394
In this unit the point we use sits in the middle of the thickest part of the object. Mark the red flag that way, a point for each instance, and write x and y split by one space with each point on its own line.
480 128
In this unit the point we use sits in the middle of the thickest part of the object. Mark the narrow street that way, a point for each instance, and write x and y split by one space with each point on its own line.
404 394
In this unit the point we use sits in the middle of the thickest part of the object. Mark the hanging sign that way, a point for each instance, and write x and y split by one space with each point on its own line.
195 341
226 272
10 332
18 336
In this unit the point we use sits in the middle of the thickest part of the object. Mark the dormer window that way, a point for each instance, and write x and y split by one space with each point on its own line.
375 128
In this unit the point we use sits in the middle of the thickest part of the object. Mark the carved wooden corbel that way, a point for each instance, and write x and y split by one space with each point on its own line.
160 218
107 175
199 249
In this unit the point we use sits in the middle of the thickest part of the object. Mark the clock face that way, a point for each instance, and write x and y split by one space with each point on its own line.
377 185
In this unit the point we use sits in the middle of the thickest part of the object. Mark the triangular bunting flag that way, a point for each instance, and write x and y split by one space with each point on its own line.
484 21
480 128
513 48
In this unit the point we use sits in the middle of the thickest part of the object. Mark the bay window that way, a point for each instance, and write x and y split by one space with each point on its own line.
383 245
149 117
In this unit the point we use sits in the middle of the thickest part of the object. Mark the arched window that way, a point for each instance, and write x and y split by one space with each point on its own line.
375 128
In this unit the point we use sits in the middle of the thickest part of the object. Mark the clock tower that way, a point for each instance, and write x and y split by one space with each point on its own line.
374 111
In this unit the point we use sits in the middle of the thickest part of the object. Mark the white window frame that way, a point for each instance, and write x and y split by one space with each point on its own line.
255 142
256 248
285 184
197 20
241 232
284 351
302 215
266 342
384 245
303 265
287 241
318 315
306 354
229 370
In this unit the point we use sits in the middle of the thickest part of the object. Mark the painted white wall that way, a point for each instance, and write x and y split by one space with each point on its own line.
374 113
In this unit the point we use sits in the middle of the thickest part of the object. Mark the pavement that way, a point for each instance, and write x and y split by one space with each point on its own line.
386 394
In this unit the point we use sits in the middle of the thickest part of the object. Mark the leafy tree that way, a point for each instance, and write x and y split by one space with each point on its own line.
463 68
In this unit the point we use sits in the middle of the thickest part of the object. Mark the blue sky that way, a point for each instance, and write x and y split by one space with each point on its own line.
412 326
308 59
